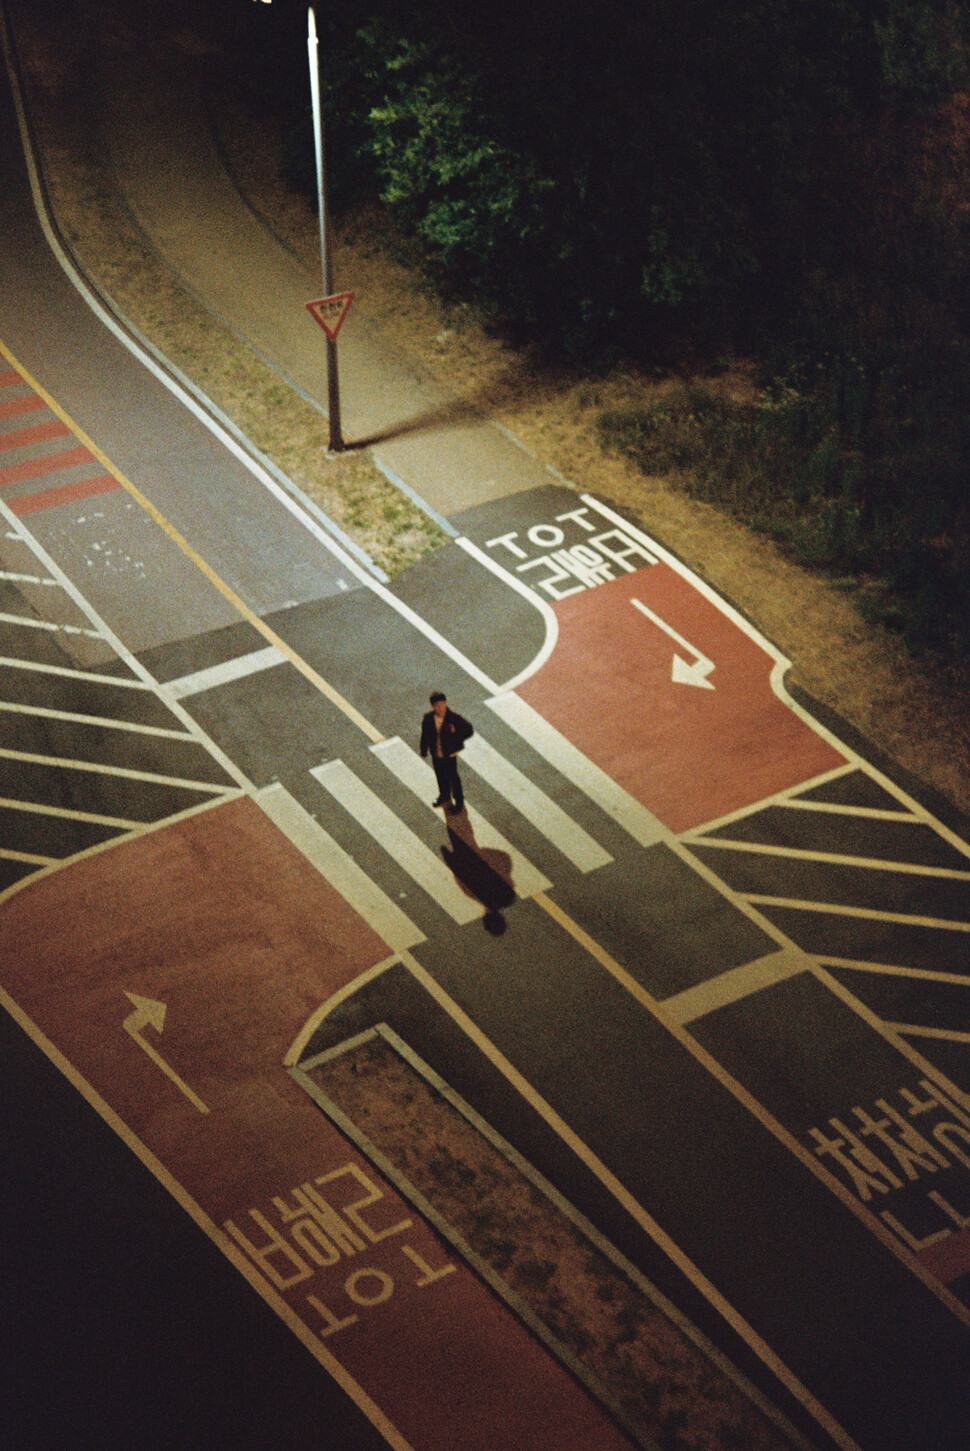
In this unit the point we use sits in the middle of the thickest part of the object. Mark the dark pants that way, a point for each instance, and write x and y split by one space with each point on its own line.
449 782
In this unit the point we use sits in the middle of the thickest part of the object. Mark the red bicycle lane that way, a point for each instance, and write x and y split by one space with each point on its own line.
220 919
670 696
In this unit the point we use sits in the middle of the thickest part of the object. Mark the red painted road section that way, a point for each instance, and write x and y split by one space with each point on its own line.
689 754
52 462
219 918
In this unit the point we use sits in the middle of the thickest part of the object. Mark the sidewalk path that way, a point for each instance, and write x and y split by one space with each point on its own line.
169 169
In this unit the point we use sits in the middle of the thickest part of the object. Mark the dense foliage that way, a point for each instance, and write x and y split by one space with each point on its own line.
786 177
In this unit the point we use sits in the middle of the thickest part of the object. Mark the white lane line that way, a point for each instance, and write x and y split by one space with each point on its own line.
33 624
64 670
412 772
549 616
778 798
8 854
38 808
26 578
835 858
737 983
15 708
949 1035
549 819
855 964
365 897
421 864
869 913
873 813
570 762
296 1049
128 773
229 670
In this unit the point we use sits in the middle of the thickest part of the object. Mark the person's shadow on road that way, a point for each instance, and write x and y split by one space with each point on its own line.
481 872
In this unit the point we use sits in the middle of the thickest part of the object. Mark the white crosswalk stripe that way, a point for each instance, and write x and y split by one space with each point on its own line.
407 849
570 762
412 772
339 869
548 818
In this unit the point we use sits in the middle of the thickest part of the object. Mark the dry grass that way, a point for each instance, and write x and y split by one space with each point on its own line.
664 1383
915 712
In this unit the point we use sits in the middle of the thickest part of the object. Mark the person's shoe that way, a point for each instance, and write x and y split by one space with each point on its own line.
455 810
441 801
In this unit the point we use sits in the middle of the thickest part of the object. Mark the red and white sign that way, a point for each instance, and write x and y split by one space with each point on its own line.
330 312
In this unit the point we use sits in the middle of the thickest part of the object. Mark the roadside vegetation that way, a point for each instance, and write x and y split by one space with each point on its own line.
679 186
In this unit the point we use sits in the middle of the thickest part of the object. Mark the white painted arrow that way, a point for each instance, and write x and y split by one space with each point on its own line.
682 673
151 1014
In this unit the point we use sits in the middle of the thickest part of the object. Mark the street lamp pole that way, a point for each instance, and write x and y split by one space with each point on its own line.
333 381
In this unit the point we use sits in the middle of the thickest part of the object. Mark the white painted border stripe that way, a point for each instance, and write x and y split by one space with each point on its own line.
340 870
421 864
36 667
519 586
30 624
868 913
802 854
127 773
38 808
135 727
229 670
577 768
420 779
545 815
737 983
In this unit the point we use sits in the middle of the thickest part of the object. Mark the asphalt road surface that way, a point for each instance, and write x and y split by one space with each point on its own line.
695 957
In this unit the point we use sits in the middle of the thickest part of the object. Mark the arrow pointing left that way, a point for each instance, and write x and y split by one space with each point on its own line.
151 1014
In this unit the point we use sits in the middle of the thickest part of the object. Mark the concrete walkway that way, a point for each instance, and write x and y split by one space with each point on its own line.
171 174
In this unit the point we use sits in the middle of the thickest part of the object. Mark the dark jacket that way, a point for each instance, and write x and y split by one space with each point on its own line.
455 730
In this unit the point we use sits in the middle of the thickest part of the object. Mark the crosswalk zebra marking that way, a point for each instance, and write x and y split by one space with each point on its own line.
411 771
338 868
398 840
545 815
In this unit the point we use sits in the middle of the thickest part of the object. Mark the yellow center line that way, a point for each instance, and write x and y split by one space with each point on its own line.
217 582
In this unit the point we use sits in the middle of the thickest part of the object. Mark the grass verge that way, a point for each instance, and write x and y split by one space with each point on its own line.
664 1383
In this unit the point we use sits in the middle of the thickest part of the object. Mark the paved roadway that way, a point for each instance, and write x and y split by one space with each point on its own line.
679 904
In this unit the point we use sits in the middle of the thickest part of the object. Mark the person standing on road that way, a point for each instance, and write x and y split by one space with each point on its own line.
443 734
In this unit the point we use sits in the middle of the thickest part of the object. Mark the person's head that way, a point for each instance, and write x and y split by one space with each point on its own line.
438 702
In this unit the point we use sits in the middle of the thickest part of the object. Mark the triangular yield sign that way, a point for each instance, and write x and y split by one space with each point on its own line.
330 312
